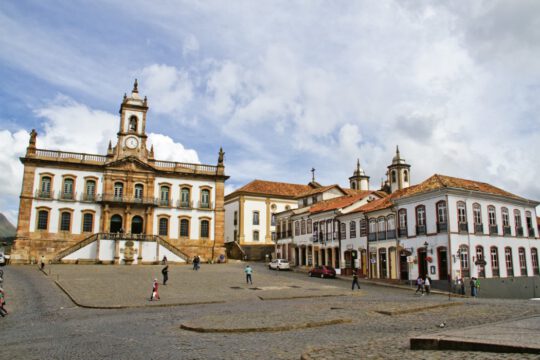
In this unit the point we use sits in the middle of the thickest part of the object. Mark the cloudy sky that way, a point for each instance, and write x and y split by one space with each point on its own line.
283 86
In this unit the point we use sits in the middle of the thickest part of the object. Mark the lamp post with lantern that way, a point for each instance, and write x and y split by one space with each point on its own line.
426 258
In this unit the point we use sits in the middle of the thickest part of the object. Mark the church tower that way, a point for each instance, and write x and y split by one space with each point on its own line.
399 175
359 180
132 133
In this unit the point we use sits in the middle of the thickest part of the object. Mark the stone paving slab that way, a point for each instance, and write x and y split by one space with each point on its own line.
519 336
109 287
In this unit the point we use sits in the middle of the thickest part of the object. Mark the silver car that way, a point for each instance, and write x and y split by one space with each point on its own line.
279 264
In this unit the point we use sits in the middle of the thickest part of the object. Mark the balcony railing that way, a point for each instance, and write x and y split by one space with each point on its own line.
420 229
464 227
88 197
204 205
442 227
67 196
112 198
507 230
478 228
391 234
402 232
531 232
164 202
381 235
372 237
43 194
182 204
519 231
493 229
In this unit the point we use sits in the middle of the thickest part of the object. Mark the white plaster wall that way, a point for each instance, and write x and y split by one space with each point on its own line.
230 208
170 255
174 223
251 205
87 252
331 194
174 194
149 251
106 250
54 214
56 185
55 205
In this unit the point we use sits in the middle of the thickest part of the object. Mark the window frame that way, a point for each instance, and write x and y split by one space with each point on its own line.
522 256
61 213
201 221
48 219
352 229
64 195
509 261
205 190
118 195
180 220
83 214
495 263
166 218
43 194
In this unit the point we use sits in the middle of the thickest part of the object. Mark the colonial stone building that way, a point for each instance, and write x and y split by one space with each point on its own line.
122 207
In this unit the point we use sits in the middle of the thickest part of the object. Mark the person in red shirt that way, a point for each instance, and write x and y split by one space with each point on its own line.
155 294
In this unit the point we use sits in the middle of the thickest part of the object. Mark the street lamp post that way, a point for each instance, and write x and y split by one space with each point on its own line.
426 258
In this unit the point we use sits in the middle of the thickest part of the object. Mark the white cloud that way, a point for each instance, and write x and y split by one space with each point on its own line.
455 85
12 146
70 126
169 90
166 149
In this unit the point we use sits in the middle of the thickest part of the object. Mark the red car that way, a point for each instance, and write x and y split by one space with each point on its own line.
323 271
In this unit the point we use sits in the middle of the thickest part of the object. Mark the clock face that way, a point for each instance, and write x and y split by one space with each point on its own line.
132 142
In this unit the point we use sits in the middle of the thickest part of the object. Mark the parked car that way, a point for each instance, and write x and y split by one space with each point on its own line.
279 264
323 271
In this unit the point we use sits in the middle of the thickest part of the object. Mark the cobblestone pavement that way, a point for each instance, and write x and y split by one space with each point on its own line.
44 323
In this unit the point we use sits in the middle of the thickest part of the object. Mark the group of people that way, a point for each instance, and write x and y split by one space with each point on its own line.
474 284
423 284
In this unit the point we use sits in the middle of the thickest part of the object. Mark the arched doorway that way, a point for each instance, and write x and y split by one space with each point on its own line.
116 224
137 225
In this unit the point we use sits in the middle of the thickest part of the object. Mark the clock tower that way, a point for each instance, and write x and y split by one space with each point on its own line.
132 133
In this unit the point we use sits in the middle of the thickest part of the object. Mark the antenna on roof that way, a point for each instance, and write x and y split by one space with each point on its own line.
313 174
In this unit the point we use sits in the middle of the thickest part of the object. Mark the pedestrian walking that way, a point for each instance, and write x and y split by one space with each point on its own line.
248 270
196 262
477 286
419 285
473 287
427 285
155 294
355 280
42 262
165 273
462 284
3 311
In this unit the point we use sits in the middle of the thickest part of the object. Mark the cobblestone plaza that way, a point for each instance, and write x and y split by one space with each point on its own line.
213 314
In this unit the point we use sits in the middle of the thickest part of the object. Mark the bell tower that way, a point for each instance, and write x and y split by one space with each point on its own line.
399 173
132 132
359 180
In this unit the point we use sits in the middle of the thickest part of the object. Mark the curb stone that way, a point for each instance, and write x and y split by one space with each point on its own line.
115 307
266 329
417 309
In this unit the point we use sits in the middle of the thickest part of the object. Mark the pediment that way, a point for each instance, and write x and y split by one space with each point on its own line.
130 163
